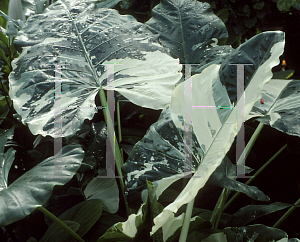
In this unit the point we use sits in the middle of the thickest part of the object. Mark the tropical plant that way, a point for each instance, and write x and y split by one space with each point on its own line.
76 49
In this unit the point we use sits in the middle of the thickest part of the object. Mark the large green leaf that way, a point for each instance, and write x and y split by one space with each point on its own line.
187 28
34 188
215 129
87 39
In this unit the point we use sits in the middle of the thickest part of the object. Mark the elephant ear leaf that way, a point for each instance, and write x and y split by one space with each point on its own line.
215 128
82 43
160 155
187 28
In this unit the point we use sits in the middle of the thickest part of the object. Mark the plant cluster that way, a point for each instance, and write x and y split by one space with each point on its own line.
177 97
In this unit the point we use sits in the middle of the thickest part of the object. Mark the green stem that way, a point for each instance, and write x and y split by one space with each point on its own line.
219 208
6 95
119 126
255 175
186 221
118 156
250 143
286 214
60 223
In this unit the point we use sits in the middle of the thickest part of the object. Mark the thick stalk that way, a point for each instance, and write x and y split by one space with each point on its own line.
186 221
60 223
251 143
227 192
118 157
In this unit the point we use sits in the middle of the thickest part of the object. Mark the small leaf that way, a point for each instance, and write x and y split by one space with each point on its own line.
259 5
3 40
105 189
285 5
223 14
221 178
3 113
3 56
249 23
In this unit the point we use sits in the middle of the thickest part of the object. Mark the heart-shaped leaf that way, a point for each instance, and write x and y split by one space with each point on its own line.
187 28
160 154
86 40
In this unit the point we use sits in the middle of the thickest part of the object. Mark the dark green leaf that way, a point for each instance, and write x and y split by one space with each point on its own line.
259 5
246 214
257 233
55 233
196 236
3 40
106 221
222 177
187 28
3 56
250 22
85 213
223 14
3 113
34 187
